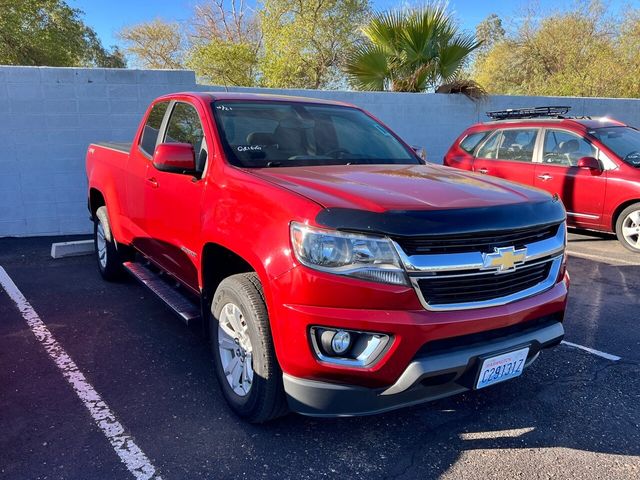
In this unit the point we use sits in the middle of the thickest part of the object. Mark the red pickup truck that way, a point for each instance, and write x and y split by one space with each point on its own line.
592 164
334 272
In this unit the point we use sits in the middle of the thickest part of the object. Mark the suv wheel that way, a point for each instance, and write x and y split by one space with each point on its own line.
109 255
242 347
628 227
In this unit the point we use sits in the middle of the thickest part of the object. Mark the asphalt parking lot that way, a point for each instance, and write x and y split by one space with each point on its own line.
574 414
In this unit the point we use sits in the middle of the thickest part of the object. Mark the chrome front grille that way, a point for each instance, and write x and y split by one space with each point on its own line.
468 279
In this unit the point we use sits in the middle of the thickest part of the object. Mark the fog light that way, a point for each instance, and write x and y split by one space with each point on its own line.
348 347
335 343
341 342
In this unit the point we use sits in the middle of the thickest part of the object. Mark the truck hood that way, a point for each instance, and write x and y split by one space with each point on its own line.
379 188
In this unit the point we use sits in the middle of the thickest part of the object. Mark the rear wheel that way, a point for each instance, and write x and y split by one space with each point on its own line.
242 347
628 227
108 254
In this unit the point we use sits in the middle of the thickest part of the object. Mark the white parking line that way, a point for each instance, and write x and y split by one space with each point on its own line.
130 454
602 258
593 351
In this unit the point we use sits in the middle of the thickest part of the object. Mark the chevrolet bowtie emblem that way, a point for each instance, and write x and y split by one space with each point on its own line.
503 259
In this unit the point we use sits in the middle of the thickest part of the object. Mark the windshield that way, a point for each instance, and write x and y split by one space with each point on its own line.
623 141
286 134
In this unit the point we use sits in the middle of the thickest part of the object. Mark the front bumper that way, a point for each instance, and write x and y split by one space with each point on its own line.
434 373
304 299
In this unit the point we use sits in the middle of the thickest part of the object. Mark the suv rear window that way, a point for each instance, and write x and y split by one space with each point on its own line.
471 141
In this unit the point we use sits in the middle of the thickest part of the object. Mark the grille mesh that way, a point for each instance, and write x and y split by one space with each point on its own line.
481 242
443 290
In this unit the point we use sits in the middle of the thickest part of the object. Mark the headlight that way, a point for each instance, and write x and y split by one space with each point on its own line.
350 254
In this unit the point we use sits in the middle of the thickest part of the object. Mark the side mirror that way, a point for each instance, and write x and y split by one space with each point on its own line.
589 163
175 158
420 151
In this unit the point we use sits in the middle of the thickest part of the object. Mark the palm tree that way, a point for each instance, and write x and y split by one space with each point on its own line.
409 51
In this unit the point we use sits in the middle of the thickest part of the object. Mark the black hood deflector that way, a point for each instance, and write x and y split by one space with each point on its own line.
401 223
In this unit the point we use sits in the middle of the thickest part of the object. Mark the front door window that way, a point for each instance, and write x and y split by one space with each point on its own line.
565 148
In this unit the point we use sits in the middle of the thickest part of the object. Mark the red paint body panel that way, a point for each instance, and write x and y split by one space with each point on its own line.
396 187
172 218
592 198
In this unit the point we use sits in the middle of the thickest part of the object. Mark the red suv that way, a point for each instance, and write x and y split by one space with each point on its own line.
592 164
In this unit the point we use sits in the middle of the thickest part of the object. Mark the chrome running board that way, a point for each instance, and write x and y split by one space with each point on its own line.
169 294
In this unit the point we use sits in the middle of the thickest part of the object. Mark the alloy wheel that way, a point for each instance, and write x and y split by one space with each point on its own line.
234 346
631 229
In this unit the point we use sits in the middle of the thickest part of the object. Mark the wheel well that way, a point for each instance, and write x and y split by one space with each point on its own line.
218 263
96 200
618 211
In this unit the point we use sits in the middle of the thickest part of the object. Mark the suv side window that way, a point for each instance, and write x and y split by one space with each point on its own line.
185 127
517 144
151 128
565 148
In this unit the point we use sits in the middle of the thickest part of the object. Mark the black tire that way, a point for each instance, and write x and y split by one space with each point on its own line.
265 399
110 267
620 224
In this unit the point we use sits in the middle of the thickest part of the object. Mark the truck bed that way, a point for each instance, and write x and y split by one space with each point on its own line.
123 147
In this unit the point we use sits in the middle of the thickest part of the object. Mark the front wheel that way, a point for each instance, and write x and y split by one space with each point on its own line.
244 358
628 227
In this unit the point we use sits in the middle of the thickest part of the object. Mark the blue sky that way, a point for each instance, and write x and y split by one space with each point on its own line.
107 17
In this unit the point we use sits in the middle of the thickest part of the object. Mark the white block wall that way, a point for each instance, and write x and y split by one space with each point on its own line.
48 116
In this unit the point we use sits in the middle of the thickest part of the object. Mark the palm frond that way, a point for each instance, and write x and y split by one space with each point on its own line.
452 56
367 67
384 28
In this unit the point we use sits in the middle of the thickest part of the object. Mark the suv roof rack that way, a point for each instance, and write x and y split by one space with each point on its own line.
531 112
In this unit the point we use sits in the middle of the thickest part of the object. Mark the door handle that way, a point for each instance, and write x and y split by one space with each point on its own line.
544 177
483 171
153 182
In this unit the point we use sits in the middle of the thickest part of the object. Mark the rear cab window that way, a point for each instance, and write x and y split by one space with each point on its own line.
149 137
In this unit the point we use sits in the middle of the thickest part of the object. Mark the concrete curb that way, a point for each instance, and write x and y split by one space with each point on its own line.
72 249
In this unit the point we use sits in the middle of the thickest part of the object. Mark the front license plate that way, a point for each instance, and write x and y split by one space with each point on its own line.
502 367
